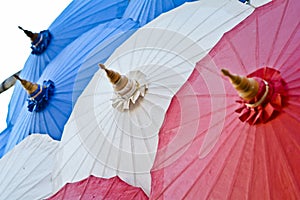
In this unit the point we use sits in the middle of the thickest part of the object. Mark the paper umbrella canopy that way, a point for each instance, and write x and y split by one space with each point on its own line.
113 129
99 188
232 130
25 172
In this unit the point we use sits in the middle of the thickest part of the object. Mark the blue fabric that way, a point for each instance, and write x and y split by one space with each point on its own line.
40 102
71 71
141 11
40 44
4 138
77 18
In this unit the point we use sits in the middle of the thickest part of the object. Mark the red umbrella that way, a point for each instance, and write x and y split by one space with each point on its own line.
99 188
216 145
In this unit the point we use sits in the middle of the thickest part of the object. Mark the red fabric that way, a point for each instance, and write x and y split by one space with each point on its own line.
99 188
241 161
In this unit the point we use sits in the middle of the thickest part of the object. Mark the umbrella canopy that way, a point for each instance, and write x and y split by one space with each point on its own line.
70 72
77 18
142 12
99 188
25 172
115 129
233 147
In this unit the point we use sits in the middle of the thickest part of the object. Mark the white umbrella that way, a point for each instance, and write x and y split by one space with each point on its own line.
25 172
106 137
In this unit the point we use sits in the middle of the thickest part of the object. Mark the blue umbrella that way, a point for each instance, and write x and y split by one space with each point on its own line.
72 70
77 18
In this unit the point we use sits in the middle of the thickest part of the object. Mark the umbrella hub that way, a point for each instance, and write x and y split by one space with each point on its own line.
38 95
39 41
127 89
262 94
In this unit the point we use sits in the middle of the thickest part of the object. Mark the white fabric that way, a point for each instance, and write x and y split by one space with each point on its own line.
25 172
102 141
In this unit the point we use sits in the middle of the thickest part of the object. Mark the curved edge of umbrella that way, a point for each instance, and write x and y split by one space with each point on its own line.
99 188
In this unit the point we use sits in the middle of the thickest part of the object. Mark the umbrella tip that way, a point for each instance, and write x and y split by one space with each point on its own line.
233 78
27 85
29 34
102 66
112 75
17 77
247 88
225 72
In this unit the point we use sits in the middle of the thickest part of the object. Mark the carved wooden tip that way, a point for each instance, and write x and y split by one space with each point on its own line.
113 76
17 77
29 34
102 66
247 88
28 86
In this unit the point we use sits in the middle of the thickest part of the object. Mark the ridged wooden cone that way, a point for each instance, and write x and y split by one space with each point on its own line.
115 78
29 86
247 88
29 34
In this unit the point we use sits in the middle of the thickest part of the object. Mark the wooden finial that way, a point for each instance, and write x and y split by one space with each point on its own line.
29 34
247 88
29 86
112 75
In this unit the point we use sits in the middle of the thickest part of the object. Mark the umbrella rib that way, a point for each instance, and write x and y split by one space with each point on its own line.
74 150
144 136
207 163
196 27
170 23
199 119
109 150
233 49
285 157
239 164
291 70
12 151
120 147
277 31
85 157
101 148
196 138
292 36
146 141
207 34
268 182
45 158
225 159
85 188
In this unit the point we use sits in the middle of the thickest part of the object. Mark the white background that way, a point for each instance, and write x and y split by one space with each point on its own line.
33 15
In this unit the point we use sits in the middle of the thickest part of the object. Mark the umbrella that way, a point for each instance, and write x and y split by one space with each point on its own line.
69 72
77 18
243 147
114 133
25 172
99 188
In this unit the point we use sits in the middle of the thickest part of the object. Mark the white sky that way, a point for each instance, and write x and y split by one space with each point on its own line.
34 15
